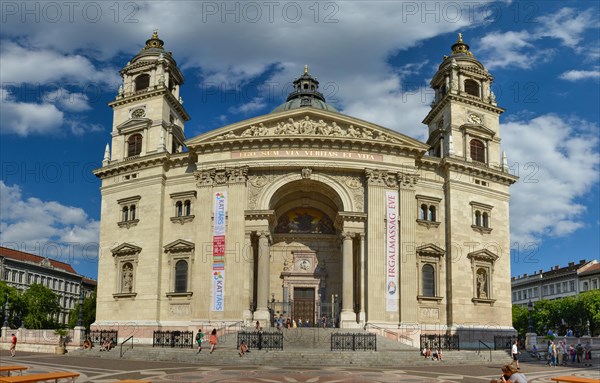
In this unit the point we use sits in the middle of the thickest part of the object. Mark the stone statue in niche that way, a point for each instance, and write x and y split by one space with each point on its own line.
481 284
127 278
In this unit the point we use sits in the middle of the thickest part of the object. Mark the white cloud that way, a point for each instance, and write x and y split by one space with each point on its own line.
517 48
19 64
23 118
72 102
558 161
32 223
256 104
575 75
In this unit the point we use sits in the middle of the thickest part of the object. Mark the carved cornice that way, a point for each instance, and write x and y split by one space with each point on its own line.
132 163
183 219
179 246
477 169
256 215
128 224
211 177
430 250
483 301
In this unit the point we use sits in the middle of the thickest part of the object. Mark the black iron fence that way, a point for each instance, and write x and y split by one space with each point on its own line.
99 336
178 339
261 340
505 342
444 342
353 342
313 314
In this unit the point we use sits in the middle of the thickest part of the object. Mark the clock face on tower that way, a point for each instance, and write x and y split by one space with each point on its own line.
138 113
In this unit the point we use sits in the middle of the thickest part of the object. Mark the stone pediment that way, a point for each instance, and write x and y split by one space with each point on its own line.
478 128
126 249
483 255
303 123
179 246
135 123
430 250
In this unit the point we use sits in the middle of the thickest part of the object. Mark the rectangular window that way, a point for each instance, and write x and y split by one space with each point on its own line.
572 285
545 290
514 296
519 296
558 288
551 289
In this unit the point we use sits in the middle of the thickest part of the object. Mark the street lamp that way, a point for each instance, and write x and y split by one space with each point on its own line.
79 317
530 309
5 324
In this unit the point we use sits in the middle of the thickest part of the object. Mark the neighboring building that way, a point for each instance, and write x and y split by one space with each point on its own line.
558 282
19 270
305 210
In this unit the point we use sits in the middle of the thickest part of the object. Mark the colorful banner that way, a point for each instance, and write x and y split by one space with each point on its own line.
218 269
391 242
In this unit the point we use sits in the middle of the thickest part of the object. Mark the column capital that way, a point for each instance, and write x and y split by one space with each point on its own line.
407 181
376 177
347 235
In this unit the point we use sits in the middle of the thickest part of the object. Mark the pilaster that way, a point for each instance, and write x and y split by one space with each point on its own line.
408 256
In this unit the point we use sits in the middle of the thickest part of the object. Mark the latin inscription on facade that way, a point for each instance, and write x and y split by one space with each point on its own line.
308 153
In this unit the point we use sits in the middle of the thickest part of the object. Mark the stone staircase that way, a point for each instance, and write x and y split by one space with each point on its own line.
303 347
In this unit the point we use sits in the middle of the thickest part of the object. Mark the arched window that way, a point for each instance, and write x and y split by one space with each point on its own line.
477 151
477 218
472 87
486 220
187 207
179 209
423 214
306 86
432 213
125 213
127 278
428 278
134 145
142 82
132 212
181 276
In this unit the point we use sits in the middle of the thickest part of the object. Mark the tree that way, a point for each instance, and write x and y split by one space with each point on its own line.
520 318
590 309
88 314
13 306
40 307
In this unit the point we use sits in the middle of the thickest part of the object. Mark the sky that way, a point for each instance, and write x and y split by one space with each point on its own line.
60 62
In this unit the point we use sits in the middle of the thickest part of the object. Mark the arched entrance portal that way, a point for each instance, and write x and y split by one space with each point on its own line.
305 256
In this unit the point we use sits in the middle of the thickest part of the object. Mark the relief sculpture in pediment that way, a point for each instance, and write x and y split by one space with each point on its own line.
308 126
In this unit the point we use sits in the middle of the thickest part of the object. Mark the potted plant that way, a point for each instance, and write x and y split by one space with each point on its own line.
62 340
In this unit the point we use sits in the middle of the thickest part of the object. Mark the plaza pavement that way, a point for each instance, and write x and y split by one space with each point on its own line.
100 370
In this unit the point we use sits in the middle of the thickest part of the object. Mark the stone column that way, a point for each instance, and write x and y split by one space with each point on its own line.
407 246
348 317
264 276
467 147
248 261
362 314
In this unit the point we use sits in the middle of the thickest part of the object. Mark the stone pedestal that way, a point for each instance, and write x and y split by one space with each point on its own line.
530 340
348 320
264 317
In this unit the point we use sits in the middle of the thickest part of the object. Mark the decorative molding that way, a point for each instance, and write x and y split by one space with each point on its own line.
422 298
117 296
428 224
306 173
179 246
377 177
183 219
481 229
481 205
126 249
204 177
211 177
430 250
483 255
484 301
237 175
128 200
128 224
187 294
407 181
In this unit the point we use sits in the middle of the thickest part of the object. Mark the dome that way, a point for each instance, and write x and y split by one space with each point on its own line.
305 94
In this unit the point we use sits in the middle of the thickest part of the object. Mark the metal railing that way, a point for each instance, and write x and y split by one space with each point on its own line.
399 337
486 346
122 343
353 342
98 337
261 340
174 339
443 342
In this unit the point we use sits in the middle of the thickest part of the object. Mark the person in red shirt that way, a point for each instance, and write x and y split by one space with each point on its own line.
13 345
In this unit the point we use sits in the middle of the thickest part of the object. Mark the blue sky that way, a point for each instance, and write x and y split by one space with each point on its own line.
59 66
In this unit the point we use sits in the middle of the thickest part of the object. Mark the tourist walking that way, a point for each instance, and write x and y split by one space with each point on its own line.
515 355
199 339
13 345
588 353
213 340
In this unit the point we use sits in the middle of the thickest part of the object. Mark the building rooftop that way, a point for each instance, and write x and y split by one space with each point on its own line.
26 257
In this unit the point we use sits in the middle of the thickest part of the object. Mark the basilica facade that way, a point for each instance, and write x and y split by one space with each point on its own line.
305 212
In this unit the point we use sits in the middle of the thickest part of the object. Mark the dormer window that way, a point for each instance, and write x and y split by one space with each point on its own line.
134 145
142 82
472 87
477 150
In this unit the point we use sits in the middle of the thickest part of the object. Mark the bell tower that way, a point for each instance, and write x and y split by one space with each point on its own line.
148 113
464 117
